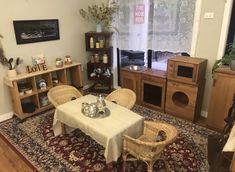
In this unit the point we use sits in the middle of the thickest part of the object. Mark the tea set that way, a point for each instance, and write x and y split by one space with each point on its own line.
96 110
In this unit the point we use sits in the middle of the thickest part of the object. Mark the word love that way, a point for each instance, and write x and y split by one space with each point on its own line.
38 67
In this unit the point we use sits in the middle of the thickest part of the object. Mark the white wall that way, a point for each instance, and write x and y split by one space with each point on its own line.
72 28
208 40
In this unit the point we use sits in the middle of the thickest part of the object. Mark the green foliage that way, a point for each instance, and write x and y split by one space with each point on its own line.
226 59
103 14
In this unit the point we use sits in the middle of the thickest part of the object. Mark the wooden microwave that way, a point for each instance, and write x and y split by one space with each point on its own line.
184 69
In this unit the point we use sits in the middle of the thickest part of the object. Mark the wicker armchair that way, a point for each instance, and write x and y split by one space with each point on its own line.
62 94
148 147
124 97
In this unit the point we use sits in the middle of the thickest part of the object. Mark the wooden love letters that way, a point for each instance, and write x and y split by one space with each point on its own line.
38 67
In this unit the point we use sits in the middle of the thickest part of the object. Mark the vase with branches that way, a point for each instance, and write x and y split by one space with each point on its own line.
10 63
103 14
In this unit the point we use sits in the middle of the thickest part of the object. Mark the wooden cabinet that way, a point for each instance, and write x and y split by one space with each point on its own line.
69 74
153 89
148 84
131 79
223 90
99 67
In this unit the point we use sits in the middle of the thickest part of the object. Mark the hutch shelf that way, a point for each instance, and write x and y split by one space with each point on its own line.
99 67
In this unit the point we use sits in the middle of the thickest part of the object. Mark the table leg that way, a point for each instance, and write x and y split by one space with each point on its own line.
110 166
63 128
232 166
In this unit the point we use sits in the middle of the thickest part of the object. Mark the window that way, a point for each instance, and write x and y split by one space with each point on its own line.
156 24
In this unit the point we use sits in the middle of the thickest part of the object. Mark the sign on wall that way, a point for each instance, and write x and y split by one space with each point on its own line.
139 13
28 31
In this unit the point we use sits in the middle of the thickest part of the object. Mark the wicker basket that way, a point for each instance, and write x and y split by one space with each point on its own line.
148 147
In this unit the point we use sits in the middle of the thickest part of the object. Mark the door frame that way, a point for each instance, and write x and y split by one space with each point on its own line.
225 28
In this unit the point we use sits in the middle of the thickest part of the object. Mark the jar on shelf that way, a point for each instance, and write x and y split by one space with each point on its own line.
97 58
105 58
67 60
101 43
92 42
107 45
59 62
97 45
92 59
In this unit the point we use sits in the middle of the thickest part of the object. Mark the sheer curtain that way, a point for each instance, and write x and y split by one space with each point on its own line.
132 34
155 24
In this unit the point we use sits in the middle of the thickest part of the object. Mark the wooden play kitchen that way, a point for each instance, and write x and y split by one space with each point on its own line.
185 86
179 91
29 90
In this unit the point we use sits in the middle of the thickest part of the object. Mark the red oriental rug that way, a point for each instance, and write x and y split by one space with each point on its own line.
33 138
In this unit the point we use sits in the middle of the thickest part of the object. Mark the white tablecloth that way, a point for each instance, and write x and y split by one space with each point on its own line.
106 131
230 144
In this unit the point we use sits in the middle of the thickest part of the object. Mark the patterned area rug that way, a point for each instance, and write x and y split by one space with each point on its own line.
34 139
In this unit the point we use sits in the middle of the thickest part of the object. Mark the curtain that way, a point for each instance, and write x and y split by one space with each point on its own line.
164 25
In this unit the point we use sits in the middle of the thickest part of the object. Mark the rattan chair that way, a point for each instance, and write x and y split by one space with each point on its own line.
61 94
124 97
148 147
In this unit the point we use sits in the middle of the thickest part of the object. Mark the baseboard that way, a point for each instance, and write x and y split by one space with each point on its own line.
117 87
6 116
204 114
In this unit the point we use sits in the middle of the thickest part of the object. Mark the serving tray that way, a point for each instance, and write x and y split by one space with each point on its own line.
98 114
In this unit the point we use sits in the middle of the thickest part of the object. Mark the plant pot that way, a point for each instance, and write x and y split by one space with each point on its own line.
11 73
232 64
98 27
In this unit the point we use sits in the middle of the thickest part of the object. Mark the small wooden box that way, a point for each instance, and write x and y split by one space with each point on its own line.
189 70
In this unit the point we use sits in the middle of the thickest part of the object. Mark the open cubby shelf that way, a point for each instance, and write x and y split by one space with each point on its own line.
68 74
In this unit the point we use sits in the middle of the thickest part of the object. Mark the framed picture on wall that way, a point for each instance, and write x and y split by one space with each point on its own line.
28 31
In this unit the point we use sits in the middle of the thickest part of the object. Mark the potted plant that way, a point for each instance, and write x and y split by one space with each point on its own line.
227 59
10 63
102 15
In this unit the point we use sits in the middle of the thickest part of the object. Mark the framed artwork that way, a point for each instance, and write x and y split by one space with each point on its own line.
28 31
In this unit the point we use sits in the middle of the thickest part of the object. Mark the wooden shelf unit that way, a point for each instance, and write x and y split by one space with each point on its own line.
68 74
107 82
